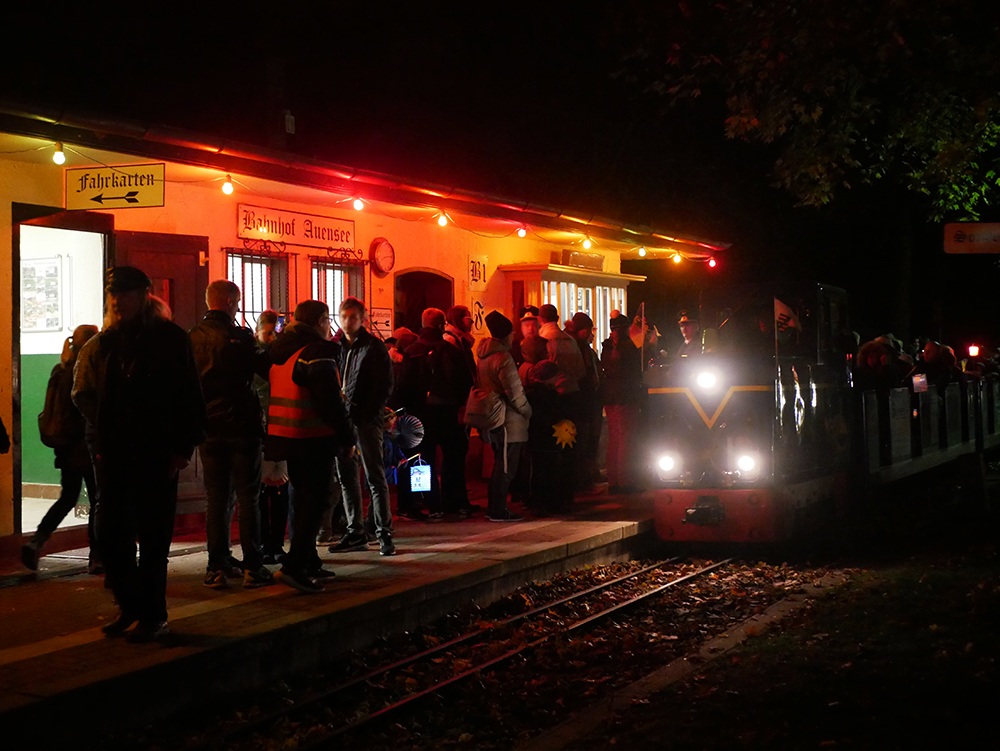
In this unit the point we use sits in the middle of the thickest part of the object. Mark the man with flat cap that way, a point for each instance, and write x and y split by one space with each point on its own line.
691 331
137 385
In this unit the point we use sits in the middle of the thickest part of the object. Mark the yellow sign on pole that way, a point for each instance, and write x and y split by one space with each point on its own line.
126 186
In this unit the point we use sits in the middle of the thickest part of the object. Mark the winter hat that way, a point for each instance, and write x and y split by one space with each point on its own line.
582 321
619 321
126 279
498 324
534 348
542 371
528 313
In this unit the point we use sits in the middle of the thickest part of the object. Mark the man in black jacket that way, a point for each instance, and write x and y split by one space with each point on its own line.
137 385
367 373
308 426
227 357
434 385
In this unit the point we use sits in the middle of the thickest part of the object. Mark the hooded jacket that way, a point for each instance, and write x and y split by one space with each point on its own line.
315 370
496 372
565 352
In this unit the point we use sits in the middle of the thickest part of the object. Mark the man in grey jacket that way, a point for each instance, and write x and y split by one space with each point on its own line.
497 372
562 349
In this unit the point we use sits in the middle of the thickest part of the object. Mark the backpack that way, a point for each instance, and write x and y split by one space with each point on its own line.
484 410
59 420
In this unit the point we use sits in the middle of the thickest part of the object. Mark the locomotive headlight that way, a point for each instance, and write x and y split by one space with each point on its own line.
707 380
746 463
668 466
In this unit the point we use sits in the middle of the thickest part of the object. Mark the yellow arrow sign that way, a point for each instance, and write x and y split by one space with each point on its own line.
125 186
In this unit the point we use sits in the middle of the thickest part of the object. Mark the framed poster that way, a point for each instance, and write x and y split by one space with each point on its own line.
41 295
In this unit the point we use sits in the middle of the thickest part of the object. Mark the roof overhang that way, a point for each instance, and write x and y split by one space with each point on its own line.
183 147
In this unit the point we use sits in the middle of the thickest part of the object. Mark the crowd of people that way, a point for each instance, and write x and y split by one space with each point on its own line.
885 363
291 422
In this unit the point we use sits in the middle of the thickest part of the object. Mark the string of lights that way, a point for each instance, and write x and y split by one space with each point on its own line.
442 217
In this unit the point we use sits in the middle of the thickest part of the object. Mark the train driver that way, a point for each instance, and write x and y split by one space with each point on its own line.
691 331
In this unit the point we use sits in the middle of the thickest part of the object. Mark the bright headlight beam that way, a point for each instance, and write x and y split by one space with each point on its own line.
707 380
746 463
666 463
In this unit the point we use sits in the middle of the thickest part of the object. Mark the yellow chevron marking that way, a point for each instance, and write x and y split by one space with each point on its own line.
709 422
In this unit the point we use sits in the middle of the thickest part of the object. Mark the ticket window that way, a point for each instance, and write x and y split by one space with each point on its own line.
597 302
61 287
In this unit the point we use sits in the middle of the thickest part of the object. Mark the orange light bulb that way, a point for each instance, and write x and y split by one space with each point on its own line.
443 220
358 204
227 186
522 232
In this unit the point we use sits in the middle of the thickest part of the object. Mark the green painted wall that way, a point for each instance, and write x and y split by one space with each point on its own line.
36 459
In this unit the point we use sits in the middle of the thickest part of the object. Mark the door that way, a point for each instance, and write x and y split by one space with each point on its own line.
173 263
418 290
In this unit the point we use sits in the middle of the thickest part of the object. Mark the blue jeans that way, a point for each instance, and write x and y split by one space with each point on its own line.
369 457
232 475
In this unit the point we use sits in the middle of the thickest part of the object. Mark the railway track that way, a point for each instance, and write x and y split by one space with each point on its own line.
479 640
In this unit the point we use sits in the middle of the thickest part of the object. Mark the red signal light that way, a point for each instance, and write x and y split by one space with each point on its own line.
712 263
973 350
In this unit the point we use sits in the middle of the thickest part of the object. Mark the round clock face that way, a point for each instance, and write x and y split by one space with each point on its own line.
383 255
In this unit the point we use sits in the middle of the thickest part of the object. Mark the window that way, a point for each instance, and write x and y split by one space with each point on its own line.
332 282
263 283
597 302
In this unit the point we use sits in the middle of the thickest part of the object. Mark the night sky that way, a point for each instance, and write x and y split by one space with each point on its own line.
515 100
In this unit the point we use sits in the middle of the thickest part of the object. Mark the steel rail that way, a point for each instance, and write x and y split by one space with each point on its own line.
396 706
352 682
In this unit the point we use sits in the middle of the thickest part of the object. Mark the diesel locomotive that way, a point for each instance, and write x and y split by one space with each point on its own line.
761 435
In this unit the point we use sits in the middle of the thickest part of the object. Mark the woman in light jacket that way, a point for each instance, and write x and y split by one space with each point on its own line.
497 372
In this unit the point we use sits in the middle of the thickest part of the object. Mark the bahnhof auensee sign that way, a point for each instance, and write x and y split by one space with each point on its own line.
972 237
294 228
124 186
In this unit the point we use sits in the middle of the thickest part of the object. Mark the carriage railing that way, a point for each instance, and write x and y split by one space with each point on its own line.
905 433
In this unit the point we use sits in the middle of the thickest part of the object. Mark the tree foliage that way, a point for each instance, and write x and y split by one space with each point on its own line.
843 90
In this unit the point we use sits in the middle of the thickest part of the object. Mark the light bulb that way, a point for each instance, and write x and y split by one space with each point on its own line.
227 186
59 157
587 243
443 220
677 258
358 204
522 232
712 263
642 252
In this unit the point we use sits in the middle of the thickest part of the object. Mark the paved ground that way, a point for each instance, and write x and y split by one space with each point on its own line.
51 644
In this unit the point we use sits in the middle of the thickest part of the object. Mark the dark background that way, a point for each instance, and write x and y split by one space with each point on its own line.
516 100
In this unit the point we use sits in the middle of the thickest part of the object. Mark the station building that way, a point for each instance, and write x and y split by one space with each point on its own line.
79 194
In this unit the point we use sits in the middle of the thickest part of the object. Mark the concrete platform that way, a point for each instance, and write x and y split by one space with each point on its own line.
55 663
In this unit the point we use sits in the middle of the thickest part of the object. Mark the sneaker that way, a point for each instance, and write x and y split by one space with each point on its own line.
120 625
322 574
417 515
29 555
350 542
216 579
385 546
297 580
505 516
259 578
233 568
325 538
437 516
464 514
95 568
146 632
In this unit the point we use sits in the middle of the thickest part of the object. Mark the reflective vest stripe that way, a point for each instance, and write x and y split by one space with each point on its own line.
290 413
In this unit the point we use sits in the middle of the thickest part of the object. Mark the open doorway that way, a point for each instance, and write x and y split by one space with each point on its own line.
418 290
60 287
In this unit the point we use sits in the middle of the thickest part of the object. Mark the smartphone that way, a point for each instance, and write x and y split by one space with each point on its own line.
280 325
919 383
